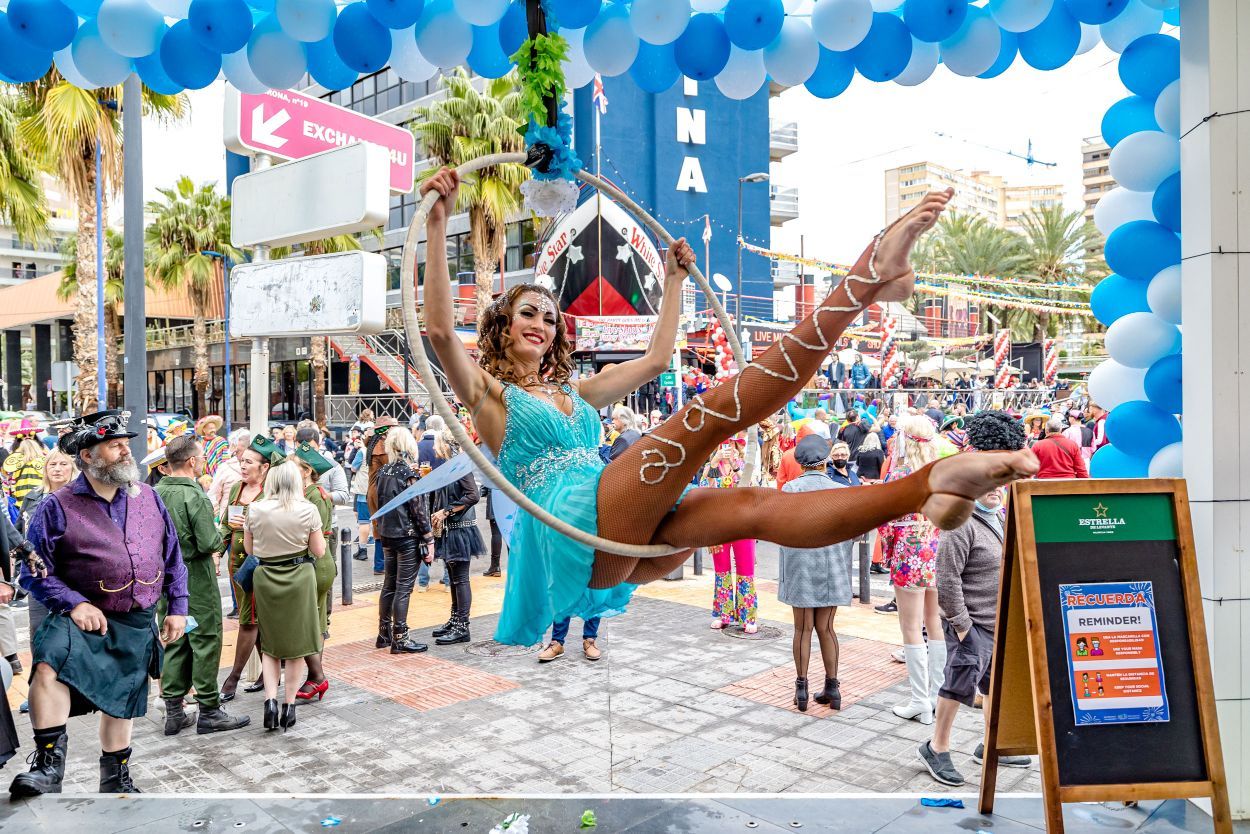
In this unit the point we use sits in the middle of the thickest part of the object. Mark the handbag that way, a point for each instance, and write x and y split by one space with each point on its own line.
244 575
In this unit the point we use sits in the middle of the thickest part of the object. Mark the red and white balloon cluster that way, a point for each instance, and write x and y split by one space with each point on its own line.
725 365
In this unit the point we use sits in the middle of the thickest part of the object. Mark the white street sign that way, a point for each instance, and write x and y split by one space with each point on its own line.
318 295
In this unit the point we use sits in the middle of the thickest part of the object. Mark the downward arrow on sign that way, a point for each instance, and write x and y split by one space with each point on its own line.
263 129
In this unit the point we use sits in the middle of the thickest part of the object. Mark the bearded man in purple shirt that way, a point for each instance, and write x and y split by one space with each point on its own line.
109 552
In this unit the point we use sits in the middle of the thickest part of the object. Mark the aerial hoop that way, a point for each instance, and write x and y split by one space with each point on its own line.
412 331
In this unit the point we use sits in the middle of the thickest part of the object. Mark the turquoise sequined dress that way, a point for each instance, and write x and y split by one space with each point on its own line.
554 459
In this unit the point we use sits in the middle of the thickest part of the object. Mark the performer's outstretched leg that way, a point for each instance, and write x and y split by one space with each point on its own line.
638 489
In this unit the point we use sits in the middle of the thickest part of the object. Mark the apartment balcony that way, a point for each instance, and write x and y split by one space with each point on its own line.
783 204
785 274
783 139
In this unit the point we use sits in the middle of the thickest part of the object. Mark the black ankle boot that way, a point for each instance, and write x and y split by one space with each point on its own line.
402 643
271 714
115 773
217 720
800 694
830 695
445 628
288 716
176 717
47 771
458 633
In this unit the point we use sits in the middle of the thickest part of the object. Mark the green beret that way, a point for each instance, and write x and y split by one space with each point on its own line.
309 454
267 449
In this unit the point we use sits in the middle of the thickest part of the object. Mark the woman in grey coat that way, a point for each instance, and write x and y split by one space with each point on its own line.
814 582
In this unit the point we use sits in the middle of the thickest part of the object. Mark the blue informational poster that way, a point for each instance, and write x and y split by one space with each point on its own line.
1114 662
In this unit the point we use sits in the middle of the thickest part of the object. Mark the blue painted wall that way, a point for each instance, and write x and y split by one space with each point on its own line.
642 154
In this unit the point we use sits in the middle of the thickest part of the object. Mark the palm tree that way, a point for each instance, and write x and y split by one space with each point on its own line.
62 127
22 203
187 239
465 125
1056 242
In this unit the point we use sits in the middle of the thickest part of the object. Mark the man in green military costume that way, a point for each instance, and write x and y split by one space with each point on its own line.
194 661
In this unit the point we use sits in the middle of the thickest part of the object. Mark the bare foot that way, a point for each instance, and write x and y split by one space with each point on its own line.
957 481
893 259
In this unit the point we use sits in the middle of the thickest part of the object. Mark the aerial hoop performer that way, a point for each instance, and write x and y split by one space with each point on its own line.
544 429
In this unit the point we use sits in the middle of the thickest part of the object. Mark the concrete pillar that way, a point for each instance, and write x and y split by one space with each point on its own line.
13 370
1215 159
42 366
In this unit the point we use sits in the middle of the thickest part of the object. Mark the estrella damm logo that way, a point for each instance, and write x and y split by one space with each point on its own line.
1108 517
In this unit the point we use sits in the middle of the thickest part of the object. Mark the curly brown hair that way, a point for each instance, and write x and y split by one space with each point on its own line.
494 344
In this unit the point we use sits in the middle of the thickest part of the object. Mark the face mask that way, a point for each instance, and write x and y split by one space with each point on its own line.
984 510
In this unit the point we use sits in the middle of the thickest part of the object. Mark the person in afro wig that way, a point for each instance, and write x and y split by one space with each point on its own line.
994 431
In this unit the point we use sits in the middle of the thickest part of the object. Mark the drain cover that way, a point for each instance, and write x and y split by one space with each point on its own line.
765 633
489 648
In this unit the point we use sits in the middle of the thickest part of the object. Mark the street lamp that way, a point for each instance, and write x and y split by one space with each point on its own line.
756 177
227 380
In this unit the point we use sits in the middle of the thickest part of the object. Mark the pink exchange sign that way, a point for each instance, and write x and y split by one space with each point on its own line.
293 126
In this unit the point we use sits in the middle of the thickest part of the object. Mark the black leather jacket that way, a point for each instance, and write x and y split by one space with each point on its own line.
410 519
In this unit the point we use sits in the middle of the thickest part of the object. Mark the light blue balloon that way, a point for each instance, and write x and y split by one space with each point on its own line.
744 73
1150 63
1095 11
362 42
924 60
326 67
1140 428
841 24
221 25
239 73
1127 116
1138 250
1008 49
178 9
443 36
1051 44
265 7
1144 159
486 58
1167 202
152 73
308 21
575 14
703 49
406 59
975 47
753 24
513 29
481 12
833 74
1019 15
101 66
64 60
1138 340
655 68
277 60
1168 109
1165 295
1116 297
885 52
48 24
21 61
610 44
130 27
792 57
1135 21
397 14
659 21
187 61
934 20
1110 462
1163 383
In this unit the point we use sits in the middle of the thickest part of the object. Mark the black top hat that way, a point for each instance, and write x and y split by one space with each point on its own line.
94 429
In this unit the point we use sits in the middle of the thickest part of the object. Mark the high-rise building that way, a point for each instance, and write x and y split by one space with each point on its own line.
1097 180
21 260
976 192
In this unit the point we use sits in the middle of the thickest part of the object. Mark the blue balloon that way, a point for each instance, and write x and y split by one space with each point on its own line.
1167 202
1139 428
1095 11
1138 250
84 8
655 67
703 49
885 50
49 24
1110 462
21 61
307 21
487 58
362 42
1053 43
221 25
833 74
326 67
396 14
934 20
186 60
513 29
1127 116
753 24
1172 17
573 14
1117 296
152 73
1150 63
1006 56
1163 383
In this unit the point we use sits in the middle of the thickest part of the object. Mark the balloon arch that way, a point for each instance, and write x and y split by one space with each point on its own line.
740 45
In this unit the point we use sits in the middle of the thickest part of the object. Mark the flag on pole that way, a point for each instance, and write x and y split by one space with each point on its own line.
599 97
707 229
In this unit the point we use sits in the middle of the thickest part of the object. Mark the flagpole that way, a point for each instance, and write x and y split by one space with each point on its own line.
598 201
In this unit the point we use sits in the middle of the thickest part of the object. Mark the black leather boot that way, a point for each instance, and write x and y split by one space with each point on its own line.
384 634
402 643
176 717
47 771
458 633
445 628
830 694
115 773
800 694
217 720
271 714
288 716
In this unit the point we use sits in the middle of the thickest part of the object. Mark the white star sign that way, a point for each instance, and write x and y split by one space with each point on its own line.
575 254
624 253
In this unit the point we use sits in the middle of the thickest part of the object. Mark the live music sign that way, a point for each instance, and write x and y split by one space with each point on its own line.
292 126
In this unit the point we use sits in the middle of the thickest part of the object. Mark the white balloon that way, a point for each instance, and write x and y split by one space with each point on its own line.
743 75
610 44
577 73
1168 109
792 57
1138 340
1019 15
1090 37
924 60
886 5
481 12
406 59
1121 206
841 24
1112 384
659 21
1144 159
708 5
172 8
975 47
1164 294
239 73
444 38
1168 462
1136 20
792 6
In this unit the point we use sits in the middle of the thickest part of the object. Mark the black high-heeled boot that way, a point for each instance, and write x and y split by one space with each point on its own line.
458 633
288 716
800 694
271 714
830 694
384 634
